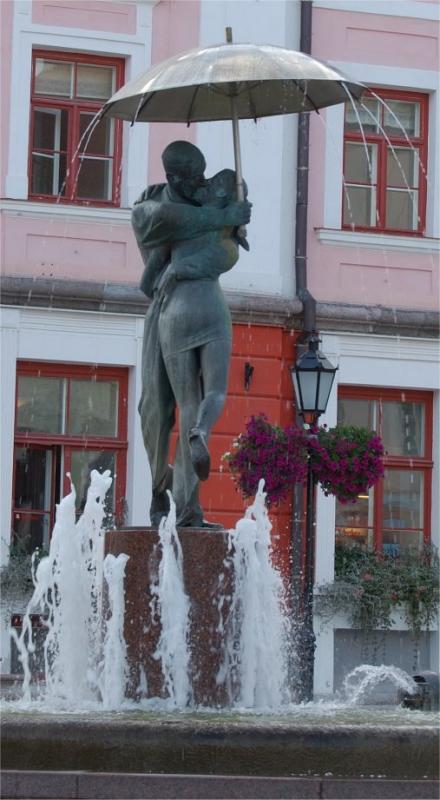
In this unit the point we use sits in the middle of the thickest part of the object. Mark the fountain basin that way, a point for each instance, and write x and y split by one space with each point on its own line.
399 745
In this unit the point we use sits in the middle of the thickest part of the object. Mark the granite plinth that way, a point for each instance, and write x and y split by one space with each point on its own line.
204 554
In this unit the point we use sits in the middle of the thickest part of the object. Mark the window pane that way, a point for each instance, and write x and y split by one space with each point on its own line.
101 140
50 129
396 541
369 116
83 462
354 522
33 478
93 407
95 179
408 115
95 82
48 174
403 428
403 499
356 412
358 166
31 531
40 404
402 165
53 78
360 206
402 209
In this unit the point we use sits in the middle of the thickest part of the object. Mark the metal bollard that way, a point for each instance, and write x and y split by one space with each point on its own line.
426 695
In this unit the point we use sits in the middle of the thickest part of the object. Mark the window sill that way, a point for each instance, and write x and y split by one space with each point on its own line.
72 213
377 241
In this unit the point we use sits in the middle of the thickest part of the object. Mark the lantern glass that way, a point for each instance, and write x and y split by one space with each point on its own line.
308 382
325 387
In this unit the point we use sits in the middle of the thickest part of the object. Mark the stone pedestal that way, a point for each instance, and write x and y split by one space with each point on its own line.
204 553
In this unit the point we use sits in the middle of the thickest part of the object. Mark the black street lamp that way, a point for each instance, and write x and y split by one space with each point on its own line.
312 377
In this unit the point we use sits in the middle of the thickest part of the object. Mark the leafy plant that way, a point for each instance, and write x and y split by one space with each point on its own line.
16 574
268 451
346 461
369 585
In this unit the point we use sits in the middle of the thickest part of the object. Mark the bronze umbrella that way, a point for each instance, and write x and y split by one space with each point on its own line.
231 81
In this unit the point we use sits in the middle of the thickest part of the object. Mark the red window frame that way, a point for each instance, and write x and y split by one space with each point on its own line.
69 442
420 463
74 106
419 142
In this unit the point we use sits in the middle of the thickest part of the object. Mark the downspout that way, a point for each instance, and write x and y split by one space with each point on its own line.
302 188
308 325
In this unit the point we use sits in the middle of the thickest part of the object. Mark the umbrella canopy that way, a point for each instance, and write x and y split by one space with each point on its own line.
198 85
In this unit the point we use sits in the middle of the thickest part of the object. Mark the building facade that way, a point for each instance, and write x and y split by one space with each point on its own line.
72 315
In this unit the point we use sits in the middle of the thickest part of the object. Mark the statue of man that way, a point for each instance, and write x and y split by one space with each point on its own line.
187 233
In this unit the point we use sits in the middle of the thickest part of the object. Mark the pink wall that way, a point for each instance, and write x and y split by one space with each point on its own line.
175 29
90 14
375 39
74 250
6 12
355 274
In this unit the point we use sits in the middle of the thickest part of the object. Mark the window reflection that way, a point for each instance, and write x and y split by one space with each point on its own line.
93 407
40 404
403 428
354 522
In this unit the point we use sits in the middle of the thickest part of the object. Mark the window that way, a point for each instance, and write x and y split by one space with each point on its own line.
69 420
395 514
385 167
70 159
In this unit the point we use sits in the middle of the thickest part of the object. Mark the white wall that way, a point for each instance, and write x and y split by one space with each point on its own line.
268 148
384 361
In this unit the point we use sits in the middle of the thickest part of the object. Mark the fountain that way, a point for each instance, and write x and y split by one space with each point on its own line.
153 668
152 633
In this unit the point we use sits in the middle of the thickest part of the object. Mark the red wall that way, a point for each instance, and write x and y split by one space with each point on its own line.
271 351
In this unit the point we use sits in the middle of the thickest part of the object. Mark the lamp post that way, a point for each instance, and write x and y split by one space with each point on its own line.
312 377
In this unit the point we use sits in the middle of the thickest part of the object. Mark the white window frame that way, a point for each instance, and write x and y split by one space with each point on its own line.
388 78
136 49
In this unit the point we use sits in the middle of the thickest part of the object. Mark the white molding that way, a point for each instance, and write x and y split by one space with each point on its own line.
135 49
377 241
389 8
341 621
394 78
384 75
66 213
394 362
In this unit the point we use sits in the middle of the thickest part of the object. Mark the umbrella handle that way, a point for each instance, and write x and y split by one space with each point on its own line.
237 151
241 233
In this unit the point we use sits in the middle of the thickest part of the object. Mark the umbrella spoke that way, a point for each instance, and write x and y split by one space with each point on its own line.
141 105
191 106
307 96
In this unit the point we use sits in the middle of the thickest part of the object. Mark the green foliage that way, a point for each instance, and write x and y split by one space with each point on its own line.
345 461
16 574
368 586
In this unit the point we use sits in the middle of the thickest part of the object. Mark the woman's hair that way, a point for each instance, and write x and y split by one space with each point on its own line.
223 187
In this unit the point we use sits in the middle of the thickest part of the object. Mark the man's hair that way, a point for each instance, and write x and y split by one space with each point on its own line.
183 158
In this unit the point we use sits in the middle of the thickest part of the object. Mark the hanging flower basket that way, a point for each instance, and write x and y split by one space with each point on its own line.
267 451
346 461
